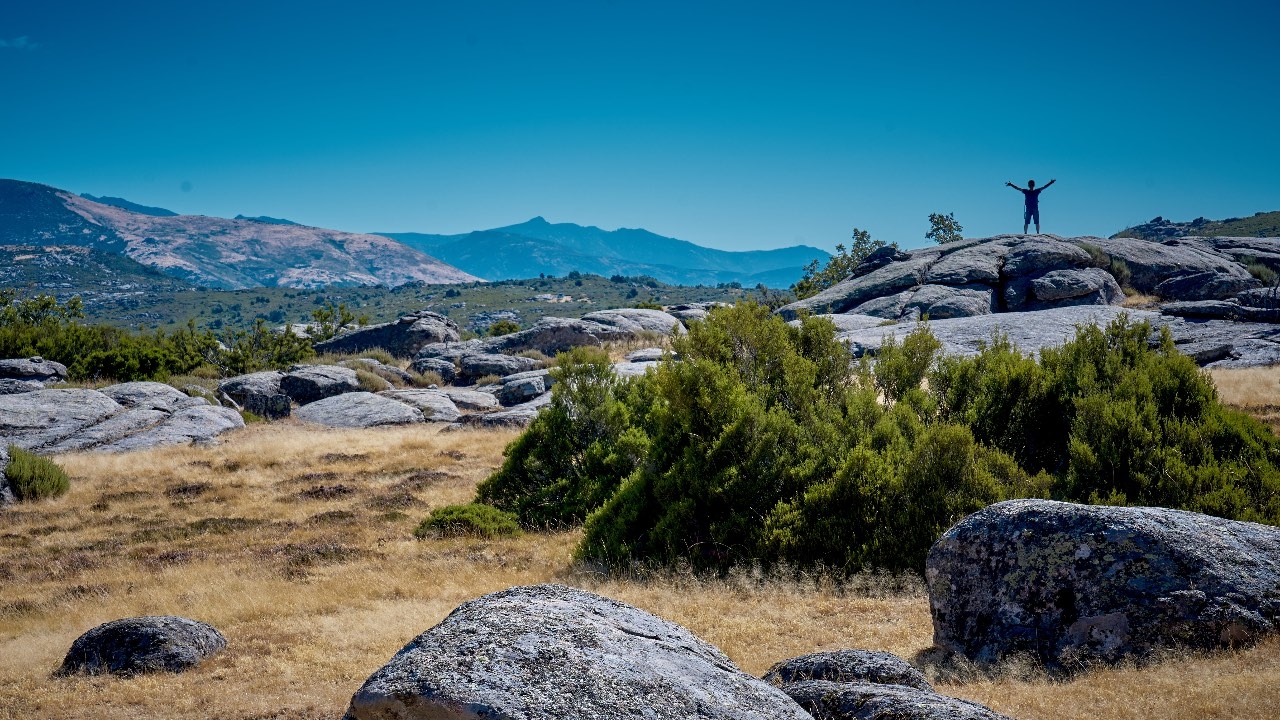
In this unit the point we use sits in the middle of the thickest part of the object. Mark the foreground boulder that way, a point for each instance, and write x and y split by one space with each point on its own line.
309 383
848 666
549 651
359 410
826 700
1071 584
401 337
132 646
149 415
258 393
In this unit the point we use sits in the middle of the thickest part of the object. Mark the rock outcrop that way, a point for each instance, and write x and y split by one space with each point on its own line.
309 383
258 393
150 415
1071 584
848 666
132 646
868 701
401 338
637 320
444 368
33 369
434 405
549 651
1179 268
478 365
359 410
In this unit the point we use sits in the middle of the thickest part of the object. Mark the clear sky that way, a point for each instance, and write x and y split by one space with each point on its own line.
736 125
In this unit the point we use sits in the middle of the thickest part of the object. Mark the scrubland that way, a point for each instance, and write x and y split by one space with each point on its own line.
297 544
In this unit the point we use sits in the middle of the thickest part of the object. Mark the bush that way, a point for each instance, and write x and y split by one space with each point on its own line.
839 266
474 519
370 381
944 229
503 327
33 477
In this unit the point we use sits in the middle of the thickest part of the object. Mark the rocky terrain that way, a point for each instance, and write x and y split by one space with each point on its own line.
1262 224
214 252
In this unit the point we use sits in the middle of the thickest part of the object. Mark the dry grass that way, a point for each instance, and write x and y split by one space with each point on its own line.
1140 301
1252 390
297 544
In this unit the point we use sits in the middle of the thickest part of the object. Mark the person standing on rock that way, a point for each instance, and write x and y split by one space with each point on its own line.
1031 203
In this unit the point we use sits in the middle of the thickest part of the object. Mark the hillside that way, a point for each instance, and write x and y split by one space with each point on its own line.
214 252
1262 224
61 270
131 206
537 247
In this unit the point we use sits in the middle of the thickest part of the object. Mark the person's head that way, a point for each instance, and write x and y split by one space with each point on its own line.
1031 183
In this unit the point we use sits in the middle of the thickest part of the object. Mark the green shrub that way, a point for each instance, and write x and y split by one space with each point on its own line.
370 381
839 266
1263 273
474 519
33 477
1100 258
503 327
899 368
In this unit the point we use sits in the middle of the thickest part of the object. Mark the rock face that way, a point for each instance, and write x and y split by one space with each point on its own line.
33 369
1179 268
150 415
637 320
551 335
516 416
549 651
258 393
514 392
868 701
401 338
359 410
434 405
1073 583
309 383
479 365
848 666
444 368
132 646
9 386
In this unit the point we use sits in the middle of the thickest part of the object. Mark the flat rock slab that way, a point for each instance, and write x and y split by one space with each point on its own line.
548 652
480 365
516 416
359 410
435 405
637 320
471 399
847 666
868 701
34 368
152 395
633 369
652 354
132 646
1071 583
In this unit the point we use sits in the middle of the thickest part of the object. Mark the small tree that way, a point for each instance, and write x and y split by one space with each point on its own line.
944 228
839 267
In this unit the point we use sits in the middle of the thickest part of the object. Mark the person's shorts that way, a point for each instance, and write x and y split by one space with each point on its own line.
1029 216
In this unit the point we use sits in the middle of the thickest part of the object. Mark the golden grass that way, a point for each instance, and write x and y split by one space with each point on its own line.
297 544
1140 301
1253 390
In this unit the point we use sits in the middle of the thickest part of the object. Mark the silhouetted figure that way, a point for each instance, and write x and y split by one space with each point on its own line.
1031 203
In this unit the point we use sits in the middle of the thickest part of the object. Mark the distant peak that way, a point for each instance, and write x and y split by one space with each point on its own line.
539 220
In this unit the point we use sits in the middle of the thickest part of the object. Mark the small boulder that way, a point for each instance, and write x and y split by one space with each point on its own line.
1095 284
848 666
514 392
402 337
444 368
35 369
550 651
870 701
359 410
472 400
309 383
258 393
646 355
1070 584
480 365
435 405
132 646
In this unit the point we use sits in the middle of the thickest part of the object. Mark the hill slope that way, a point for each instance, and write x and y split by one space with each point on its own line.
1263 224
537 246
214 252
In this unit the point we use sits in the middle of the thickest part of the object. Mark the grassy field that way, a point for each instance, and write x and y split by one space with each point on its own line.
297 544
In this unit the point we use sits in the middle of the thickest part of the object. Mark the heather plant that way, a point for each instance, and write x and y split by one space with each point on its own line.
33 477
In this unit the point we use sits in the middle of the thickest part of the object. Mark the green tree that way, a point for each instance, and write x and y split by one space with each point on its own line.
330 320
839 266
944 228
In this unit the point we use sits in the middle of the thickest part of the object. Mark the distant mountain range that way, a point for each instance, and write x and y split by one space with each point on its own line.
1263 224
209 251
537 246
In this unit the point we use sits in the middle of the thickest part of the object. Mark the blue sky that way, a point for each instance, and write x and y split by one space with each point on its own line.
738 125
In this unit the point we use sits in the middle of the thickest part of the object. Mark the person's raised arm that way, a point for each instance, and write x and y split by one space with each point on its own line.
1015 187
1046 185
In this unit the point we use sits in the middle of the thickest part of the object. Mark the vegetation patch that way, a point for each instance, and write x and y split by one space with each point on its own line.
33 477
474 519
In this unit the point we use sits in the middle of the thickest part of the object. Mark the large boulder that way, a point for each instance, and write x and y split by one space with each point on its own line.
309 383
521 389
516 416
36 419
480 365
402 337
258 393
444 368
549 651
1177 269
435 405
34 369
637 320
151 395
870 701
133 646
848 666
1079 286
359 410
1069 584
844 296
473 400
1039 254
199 424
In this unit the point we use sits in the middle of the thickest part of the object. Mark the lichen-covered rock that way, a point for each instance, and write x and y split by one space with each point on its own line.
258 393
1039 254
942 301
549 652
848 666
309 383
435 405
1070 583
10 386
35 369
1177 269
637 320
151 395
848 294
869 701
36 419
359 410
199 424
402 337
132 646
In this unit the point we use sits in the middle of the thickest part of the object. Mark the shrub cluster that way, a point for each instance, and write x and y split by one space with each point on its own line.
33 477
468 520
767 444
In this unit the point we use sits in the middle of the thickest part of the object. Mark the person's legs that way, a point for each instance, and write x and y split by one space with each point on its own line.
1036 215
1026 220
